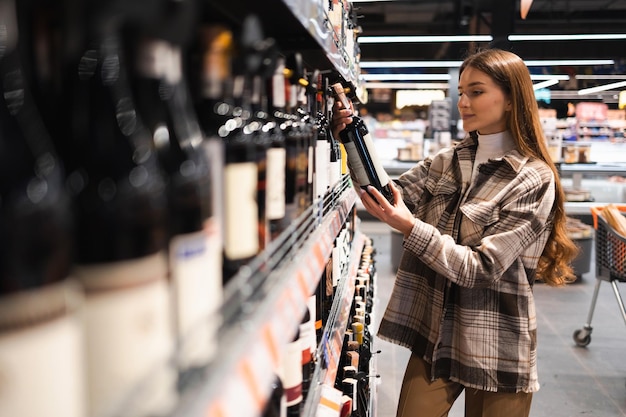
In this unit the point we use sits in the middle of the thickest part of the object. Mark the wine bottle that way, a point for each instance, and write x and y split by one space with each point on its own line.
163 102
301 133
291 371
362 157
276 154
276 405
212 82
307 330
259 58
322 157
121 217
288 129
40 330
241 212
335 169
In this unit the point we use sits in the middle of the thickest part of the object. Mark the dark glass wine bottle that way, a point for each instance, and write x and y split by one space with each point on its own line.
163 102
39 321
291 372
335 164
121 204
308 346
362 157
212 81
286 135
300 136
241 211
258 60
276 405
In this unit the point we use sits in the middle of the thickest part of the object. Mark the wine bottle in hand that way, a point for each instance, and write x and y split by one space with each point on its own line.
363 160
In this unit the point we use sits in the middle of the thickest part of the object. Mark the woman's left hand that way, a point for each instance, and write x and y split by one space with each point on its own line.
397 215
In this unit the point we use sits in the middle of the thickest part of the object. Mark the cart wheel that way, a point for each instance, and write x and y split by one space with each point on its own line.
582 337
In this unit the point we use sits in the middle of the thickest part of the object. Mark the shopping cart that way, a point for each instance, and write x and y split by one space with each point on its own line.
610 266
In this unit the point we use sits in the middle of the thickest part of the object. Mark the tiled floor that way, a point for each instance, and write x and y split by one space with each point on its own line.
575 381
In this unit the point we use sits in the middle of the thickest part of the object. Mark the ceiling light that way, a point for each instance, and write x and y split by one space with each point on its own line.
410 64
406 77
408 86
424 39
539 77
569 62
602 77
444 77
456 64
601 88
573 37
544 84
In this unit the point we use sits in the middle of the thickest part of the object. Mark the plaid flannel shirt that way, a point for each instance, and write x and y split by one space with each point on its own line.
462 299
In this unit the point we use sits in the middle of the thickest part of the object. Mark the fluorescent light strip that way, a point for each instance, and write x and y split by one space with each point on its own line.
406 77
544 84
601 88
572 62
541 77
602 77
444 77
408 86
424 39
455 64
410 64
574 37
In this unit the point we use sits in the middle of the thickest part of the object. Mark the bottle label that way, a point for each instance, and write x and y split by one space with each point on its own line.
128 337
356 166
378 166
213 149
335 173
307 340
278 89
322 171
312 303
46 360
240 187
292 373
196 276
275 204
310 164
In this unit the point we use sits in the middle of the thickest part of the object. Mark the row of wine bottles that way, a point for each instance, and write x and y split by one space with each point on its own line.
147 153
293 382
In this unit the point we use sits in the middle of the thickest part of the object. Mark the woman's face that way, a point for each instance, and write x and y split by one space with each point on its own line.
482 103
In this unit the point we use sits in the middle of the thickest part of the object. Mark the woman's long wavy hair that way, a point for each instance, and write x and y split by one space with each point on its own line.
511 74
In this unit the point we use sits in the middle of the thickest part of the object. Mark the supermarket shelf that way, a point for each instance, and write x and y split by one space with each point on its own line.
303 26
262 310
329 350
314 18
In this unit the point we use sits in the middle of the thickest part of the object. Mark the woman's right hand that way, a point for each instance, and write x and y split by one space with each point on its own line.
341 118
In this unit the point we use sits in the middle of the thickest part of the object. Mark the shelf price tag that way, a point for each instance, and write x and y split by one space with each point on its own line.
330 402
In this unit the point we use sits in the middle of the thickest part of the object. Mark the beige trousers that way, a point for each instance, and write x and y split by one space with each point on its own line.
419 397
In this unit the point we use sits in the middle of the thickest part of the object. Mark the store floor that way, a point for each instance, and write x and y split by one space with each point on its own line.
574 381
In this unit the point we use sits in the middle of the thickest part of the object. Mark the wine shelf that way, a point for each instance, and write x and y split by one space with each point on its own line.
303 26
329 350
262 309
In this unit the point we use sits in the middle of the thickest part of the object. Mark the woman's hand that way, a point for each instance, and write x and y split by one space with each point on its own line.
341 118
397 215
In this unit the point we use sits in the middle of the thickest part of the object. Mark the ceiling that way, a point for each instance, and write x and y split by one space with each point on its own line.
498 18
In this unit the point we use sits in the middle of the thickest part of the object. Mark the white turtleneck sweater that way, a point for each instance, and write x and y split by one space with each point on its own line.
492 146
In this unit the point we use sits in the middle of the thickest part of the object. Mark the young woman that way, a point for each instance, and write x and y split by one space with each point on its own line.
482 221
